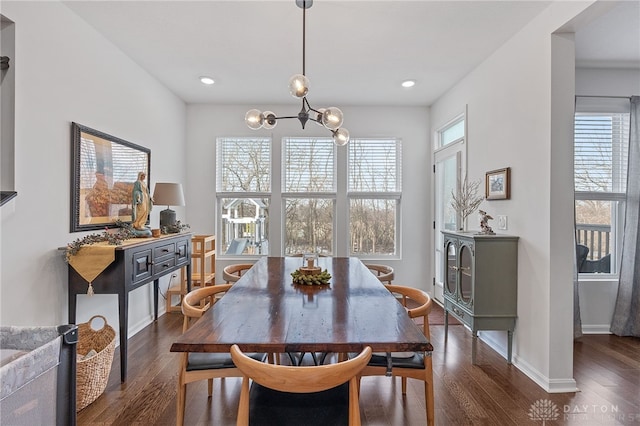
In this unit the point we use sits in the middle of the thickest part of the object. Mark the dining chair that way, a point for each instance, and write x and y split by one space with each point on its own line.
196 366
415 365
383 272
309 395
232 273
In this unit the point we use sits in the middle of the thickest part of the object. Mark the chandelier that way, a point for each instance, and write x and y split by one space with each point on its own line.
331 117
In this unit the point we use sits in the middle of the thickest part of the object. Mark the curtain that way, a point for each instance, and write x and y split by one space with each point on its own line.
626 316
577 320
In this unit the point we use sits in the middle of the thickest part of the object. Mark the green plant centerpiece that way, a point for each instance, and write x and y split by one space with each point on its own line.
316 277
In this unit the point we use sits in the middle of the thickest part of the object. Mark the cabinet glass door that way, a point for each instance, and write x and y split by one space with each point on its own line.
451 253
465 273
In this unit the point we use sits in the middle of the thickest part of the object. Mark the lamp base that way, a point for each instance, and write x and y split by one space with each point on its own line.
167 218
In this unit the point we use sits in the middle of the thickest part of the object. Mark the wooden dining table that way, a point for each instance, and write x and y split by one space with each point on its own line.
265 312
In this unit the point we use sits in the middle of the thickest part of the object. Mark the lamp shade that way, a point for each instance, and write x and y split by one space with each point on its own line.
168 194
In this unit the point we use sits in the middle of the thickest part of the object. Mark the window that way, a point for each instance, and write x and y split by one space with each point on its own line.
243 194
314 197
309 188
601 145
374 189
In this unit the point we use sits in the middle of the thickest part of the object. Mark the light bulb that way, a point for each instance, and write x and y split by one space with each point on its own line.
269 120
332 118
298 86
341 137
254 119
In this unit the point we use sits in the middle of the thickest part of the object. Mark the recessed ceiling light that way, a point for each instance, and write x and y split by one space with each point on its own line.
408 83
207 80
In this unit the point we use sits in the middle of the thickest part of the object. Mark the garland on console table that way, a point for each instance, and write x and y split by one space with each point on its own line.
112 237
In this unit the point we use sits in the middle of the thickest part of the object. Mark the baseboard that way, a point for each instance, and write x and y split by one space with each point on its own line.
549 385
596 329
568 385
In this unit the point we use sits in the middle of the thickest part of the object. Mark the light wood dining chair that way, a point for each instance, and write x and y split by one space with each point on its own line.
306 395
384 273
415 365
232 273
196 366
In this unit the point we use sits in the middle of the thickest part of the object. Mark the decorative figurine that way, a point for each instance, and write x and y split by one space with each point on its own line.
141 204
484 223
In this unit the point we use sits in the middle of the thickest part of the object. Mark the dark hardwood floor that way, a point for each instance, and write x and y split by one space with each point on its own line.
607 370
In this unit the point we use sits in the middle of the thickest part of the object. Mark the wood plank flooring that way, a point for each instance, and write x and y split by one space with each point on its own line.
607 370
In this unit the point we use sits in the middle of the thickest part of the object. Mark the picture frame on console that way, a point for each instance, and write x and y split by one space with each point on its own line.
103 171
498 185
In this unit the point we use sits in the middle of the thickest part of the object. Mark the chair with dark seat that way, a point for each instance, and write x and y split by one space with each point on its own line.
200 366
309 395
408 364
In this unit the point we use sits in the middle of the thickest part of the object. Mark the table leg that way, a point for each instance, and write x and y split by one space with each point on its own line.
72 307
123 307
156 289
189 277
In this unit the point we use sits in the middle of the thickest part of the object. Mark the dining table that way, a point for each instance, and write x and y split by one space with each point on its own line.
266 312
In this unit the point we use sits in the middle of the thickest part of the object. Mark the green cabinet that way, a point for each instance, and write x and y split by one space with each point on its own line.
481 283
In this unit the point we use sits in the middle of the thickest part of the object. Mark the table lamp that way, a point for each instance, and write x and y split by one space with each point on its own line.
169 194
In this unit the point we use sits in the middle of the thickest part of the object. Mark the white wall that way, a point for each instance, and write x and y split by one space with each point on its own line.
597 295
65 71
206 122
511 98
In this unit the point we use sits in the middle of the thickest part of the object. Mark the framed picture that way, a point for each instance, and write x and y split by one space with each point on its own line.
103 171
498 185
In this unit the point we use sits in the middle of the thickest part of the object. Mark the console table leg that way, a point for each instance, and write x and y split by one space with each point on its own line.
123 307
156 289
509 345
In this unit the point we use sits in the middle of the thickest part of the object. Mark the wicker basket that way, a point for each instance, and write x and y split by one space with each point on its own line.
93 372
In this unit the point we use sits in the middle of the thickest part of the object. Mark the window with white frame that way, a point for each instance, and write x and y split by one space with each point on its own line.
601 145
243 193
374 192
309 192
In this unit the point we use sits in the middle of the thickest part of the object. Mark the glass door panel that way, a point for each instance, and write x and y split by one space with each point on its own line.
452 269
465 274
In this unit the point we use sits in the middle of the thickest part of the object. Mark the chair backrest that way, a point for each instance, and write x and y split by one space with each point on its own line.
305 379
192 306
383 272
581 255
237 246
421 306
232 273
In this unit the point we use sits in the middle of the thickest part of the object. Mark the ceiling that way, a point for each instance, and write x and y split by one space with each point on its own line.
357 52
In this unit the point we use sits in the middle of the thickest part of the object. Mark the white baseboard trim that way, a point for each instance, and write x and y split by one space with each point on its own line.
596 329
568 385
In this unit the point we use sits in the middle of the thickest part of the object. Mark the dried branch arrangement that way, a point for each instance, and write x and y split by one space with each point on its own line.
467 200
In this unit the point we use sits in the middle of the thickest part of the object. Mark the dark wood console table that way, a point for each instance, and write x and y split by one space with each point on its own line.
135 265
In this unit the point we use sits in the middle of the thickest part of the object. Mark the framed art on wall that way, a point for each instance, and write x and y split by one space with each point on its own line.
498 185
103 171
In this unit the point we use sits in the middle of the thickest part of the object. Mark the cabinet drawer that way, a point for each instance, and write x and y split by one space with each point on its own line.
141 266
462 315
182 252
164 250
160 266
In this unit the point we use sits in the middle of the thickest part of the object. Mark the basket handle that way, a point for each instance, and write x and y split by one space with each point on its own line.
97 316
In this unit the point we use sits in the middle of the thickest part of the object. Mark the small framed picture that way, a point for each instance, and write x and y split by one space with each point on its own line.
497 184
